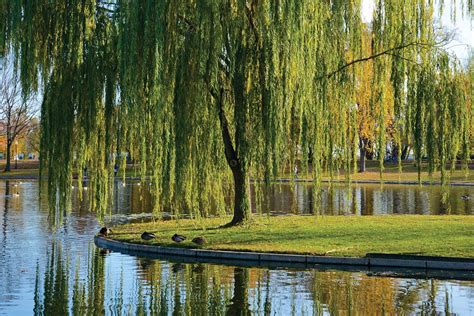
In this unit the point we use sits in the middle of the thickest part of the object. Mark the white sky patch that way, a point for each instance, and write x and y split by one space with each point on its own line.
463 41
367 10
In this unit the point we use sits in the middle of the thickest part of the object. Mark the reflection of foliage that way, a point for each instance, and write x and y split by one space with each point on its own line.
53 298
353 293
60 292
96 280
408 295
350 293
197 289
239 303
205 289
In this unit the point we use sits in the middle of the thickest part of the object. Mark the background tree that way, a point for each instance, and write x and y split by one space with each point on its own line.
32 136
365 118
468 88
17 109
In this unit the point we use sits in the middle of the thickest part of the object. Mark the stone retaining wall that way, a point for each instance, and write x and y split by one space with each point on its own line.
285 259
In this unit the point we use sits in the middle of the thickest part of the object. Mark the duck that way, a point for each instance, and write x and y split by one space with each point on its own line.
104 251
178 238
465 197
148 236
199 241
177 267
104 231
199 268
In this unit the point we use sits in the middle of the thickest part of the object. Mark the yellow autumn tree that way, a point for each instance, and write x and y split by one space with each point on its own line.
367 112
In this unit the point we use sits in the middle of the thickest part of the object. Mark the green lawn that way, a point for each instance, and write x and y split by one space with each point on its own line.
320 235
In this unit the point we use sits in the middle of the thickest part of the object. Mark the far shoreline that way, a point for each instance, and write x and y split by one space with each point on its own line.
34 176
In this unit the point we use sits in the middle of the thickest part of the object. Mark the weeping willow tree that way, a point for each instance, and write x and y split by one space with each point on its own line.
203 93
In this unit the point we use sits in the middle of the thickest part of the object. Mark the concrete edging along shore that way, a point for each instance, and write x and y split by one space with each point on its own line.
369 261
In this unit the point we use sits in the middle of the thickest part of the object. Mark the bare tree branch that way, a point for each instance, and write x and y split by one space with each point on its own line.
389 51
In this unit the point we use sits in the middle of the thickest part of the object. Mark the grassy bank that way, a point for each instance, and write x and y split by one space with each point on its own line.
323 235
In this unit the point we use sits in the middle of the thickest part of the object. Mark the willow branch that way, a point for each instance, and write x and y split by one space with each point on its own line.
385 52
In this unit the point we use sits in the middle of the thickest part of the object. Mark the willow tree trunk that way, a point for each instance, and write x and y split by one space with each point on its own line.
242 196
405 152
241 181
8 163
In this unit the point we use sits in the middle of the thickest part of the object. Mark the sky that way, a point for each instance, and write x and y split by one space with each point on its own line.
462 28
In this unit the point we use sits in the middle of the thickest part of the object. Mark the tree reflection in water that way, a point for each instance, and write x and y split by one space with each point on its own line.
164 288
239 303
202 289
300 198
60 288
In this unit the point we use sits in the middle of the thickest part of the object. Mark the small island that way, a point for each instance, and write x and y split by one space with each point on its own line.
343 236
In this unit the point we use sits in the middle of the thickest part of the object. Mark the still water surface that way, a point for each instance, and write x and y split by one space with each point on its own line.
338 199
372 199
60 271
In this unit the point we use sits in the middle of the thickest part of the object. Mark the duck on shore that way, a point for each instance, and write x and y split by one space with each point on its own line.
104 231
148 236
465 197
199 241
178 238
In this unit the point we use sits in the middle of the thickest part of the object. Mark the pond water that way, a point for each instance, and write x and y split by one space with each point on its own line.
338 199
371 199
60 271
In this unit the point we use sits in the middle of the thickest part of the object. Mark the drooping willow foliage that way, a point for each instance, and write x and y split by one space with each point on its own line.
190 88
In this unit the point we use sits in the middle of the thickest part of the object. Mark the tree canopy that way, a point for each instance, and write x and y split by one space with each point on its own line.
194 88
